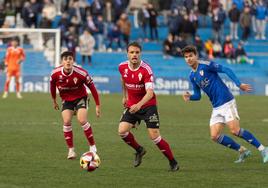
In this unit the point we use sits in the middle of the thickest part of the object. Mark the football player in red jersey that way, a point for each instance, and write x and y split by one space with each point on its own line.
71 82
140 102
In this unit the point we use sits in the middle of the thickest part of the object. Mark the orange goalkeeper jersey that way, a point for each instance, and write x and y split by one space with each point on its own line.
13 58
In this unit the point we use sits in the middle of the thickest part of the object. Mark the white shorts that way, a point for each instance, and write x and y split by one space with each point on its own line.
224 113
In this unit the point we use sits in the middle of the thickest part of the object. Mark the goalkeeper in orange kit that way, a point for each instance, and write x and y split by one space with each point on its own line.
14 57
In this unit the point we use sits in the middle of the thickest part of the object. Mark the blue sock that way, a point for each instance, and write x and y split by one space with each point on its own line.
249 137
228 142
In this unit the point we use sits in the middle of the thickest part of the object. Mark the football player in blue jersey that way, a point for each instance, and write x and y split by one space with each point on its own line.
204 75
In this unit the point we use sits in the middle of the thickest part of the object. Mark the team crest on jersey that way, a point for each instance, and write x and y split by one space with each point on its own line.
201 73
140 76
75 80
125 72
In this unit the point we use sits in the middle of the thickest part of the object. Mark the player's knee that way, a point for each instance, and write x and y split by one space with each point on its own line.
214 138
154 134
235 132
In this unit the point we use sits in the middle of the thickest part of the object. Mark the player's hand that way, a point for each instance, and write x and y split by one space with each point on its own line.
245 87
186 96
56 106
98 111
134 108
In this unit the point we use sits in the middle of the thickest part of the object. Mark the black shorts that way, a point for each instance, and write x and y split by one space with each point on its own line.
148 114
75 105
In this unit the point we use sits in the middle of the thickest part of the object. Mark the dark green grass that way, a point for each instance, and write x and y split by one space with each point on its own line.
33 151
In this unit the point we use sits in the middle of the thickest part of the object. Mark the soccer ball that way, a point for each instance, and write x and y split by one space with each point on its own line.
89 161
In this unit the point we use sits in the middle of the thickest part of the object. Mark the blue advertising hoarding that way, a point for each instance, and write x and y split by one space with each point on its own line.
163 85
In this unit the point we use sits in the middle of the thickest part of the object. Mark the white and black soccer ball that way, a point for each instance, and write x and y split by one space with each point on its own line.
89 161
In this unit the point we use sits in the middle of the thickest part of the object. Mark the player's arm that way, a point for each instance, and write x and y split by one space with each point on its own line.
94 92
187 96
231 75
124 92
53 93
149 86
22 58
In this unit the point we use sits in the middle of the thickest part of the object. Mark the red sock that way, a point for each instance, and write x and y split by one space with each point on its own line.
89 134
68 135
7 86
164 147
130 140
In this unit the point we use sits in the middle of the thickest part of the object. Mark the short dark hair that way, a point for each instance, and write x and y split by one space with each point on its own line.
188 49
136 44
66 54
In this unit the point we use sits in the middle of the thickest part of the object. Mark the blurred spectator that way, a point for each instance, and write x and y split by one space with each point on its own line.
49 10
153 22
90 25
100 25
261 13
203 6
64 24
97 7
188 30
118 7
124 26
114 35
234 15
28 15
217 48
189 5
199 46
245 22
2 15
86 45
175 22
241 56
209 48
143 21
253 8
229 50
178 45
167 46
239 4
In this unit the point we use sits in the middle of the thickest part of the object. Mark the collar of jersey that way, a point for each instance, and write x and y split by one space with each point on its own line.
62 72
136 68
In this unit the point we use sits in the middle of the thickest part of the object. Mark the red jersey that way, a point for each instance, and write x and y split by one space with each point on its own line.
72 86
136 82
13 57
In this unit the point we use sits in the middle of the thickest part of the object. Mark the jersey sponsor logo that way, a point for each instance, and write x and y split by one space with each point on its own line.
135 86
140 76
153 118
204 83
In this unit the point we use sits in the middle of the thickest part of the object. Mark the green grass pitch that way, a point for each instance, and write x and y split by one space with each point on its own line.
33 151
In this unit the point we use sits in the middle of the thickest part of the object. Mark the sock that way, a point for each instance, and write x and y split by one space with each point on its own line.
130 140
7 86
17 86
164 147
228 142
68 135
249 137
88 133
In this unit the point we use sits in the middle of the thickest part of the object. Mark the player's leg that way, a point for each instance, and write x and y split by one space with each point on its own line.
232 120
8 78
163 146
82 119
17 81
127 122
67 115
151 119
